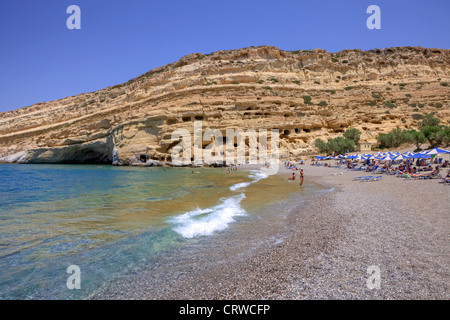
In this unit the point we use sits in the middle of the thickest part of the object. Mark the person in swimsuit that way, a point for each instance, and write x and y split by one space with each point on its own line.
301 176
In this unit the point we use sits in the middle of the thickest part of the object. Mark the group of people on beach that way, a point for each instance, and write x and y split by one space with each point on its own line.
406 168
230 169
293 167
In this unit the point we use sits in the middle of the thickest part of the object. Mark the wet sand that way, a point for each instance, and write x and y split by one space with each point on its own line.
401 226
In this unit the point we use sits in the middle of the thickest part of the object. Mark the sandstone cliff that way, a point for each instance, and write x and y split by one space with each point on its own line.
306 94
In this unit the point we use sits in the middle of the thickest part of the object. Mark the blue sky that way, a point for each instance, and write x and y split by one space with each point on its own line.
41 60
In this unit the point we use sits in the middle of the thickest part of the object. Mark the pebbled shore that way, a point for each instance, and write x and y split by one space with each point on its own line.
401 226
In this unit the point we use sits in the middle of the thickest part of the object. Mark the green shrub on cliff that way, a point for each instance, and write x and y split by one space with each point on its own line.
338 145
307 99
353 134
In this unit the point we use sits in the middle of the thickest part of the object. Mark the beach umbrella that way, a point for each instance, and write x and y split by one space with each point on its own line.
409 153
434 152
394 155
420 156
378 155
389 158
437 151
401 157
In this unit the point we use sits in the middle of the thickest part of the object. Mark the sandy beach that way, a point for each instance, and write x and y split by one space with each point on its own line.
401 226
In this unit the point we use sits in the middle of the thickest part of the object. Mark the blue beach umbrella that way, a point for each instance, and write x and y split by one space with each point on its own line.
437 151
420 156
402 157
388 157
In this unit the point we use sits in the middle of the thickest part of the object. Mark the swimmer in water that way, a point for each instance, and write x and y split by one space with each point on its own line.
301 176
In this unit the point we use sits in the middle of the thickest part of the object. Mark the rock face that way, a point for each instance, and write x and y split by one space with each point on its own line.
304 94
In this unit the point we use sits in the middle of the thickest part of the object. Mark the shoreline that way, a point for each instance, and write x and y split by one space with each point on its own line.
331 241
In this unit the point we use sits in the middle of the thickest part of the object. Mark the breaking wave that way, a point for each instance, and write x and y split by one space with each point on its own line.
204 222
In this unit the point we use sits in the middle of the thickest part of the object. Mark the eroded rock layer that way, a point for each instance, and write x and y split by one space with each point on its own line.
306 94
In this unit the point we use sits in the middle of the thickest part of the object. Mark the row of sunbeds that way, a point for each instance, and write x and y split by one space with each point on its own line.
398 173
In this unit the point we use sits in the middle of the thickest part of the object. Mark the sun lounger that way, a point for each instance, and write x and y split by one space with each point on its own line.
367 178
375 178
430 175
361 178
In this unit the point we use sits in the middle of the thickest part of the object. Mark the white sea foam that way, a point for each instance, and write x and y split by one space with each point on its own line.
255 175
258 175
203 222
237 186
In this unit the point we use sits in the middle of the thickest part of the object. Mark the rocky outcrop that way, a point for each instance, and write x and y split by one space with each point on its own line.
305 94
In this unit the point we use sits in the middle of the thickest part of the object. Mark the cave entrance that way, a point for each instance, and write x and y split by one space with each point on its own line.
143 158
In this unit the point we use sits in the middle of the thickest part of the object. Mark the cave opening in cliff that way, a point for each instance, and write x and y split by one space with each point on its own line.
86 157
143 158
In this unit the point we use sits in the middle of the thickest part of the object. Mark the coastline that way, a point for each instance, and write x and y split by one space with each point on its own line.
401 226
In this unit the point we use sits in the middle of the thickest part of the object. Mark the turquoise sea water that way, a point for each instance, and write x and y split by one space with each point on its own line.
110 220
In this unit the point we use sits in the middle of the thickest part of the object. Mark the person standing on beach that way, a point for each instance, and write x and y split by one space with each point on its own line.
301 176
